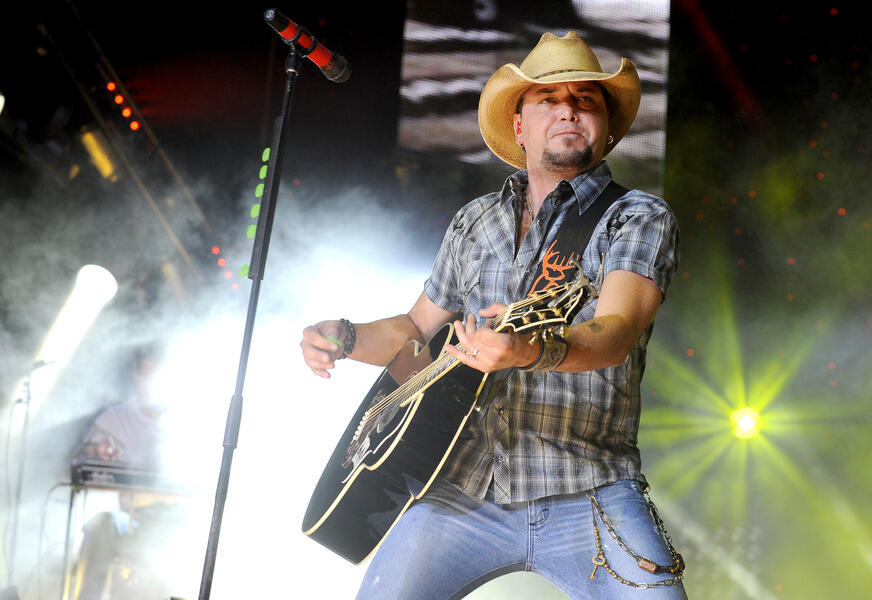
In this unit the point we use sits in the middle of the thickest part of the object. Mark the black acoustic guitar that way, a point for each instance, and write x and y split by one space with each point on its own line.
407 425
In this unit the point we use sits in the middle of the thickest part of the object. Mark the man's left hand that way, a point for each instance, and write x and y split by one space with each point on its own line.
487 350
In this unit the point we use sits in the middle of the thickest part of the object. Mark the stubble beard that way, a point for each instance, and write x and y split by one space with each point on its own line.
572 158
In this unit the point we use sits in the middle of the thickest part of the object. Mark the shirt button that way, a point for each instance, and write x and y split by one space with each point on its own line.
539 221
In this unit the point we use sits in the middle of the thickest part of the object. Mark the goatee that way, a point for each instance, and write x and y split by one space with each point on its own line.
574 158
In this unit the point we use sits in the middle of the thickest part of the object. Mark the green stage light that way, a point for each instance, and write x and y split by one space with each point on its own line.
255 208
747 422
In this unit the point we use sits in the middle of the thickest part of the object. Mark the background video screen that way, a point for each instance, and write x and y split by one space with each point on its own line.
451 49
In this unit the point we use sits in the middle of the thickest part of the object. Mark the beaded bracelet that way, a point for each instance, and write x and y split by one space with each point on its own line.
350 338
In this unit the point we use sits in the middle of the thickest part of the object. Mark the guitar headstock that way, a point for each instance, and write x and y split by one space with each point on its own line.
553 306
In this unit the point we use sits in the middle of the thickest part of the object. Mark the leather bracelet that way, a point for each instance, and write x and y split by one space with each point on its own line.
554 351
350 338
533 364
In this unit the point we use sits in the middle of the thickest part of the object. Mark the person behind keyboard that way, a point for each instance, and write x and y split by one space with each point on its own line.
120 550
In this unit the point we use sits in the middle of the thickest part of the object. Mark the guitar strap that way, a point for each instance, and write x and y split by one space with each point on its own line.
573 237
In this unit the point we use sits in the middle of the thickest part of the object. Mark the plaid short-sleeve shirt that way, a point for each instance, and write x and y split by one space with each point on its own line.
542 434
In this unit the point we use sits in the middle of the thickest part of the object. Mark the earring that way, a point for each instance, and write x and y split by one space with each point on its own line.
610 140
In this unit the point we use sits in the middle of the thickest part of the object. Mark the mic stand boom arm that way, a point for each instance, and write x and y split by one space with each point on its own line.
258 263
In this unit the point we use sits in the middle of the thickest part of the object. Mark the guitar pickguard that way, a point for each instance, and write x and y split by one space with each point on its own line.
367 440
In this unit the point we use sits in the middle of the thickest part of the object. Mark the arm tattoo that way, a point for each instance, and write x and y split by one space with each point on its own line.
595 327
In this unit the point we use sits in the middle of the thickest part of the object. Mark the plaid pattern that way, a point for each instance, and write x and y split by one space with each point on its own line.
541 434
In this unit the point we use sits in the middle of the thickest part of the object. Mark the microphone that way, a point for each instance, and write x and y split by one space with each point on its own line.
333 65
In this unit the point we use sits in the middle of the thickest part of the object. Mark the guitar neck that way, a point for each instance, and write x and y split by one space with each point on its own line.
535 312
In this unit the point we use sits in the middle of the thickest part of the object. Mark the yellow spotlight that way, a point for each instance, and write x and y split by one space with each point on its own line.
97 148
747 422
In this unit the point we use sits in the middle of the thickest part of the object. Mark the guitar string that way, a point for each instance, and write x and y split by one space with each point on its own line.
413 386
423 377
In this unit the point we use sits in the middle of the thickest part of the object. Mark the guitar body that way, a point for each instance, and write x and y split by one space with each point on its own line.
382 464
407 425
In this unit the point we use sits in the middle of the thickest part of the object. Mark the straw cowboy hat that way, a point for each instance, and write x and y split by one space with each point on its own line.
553 60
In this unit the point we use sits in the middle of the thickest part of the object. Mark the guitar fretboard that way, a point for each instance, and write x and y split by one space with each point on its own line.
446 362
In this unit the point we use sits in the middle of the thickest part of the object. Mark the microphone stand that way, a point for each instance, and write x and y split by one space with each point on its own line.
258 263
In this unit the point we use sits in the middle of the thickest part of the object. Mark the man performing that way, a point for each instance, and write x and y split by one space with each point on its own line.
547 476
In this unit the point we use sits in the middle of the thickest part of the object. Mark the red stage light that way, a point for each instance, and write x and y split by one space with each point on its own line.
134 125
119 99
216 250
126 112
111 86
222 262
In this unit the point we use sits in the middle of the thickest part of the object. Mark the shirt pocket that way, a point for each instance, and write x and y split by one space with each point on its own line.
471 285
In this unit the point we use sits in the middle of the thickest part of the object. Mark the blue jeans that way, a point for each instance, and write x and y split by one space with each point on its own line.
449 543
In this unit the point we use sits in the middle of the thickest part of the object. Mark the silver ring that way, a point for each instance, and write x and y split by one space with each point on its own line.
474 352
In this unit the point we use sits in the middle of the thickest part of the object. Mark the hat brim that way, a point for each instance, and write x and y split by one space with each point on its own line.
502 91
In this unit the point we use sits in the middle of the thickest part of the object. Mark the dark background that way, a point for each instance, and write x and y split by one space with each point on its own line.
767 168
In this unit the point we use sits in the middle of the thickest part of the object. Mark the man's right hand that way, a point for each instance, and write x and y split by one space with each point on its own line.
102 446
320 351
375 343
